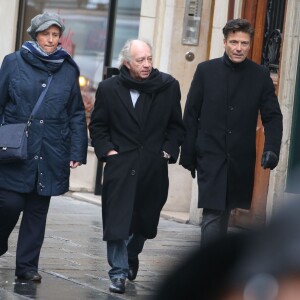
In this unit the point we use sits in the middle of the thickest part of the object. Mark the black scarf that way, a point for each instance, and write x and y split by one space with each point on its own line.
156 81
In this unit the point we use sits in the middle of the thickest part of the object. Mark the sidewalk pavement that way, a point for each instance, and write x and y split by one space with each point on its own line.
181 217
73 258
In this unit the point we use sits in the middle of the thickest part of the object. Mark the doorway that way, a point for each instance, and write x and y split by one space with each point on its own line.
267 18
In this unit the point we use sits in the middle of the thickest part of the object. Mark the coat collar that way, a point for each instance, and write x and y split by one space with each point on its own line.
234 66
125 98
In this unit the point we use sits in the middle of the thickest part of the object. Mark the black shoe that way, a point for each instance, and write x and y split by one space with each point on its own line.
117 285
31 275
133 268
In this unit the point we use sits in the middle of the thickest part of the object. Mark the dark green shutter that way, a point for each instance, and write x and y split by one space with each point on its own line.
293 174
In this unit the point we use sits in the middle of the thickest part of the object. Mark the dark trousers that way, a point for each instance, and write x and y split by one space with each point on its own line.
118 253
32 227
214 224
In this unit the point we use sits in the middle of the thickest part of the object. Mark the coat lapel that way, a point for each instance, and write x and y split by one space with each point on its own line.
147 106
125 97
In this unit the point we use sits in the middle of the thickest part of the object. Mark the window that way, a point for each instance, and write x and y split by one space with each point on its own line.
86 34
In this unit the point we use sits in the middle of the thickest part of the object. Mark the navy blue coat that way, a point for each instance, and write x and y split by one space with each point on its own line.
58 132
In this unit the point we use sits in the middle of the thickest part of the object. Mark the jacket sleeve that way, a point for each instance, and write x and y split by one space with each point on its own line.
7 68
175 130
271 116
79 139
99 126
191 119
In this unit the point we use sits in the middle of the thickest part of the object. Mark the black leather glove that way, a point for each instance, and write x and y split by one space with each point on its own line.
269 160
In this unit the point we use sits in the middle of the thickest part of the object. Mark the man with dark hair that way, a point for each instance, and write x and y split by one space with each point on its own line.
137 129
236 25
223 103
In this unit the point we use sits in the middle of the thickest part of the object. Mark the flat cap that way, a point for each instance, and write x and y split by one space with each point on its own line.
43 21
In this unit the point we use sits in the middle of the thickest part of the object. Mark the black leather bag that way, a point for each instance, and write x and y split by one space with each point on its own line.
13 142
14 137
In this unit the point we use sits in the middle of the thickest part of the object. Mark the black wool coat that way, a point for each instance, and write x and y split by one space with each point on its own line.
220 115
135 184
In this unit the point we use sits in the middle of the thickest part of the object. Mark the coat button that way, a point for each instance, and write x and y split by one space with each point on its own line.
36 157
44 85
230 107
229 131
132 172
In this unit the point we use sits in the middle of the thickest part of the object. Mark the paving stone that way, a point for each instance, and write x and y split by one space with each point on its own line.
73 258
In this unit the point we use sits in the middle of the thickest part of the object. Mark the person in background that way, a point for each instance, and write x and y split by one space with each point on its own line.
57 138
255 264
136 128
221 111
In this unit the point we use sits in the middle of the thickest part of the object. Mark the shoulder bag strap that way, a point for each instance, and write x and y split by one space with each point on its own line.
41 98
38 103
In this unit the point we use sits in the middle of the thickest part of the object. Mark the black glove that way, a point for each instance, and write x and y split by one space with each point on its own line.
269 160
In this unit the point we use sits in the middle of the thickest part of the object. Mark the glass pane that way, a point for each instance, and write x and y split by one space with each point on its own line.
86 34
126 26
84 37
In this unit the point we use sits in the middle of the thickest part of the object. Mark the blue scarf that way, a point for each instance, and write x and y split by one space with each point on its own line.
58 56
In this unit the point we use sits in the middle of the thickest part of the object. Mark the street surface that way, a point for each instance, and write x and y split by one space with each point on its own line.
73 258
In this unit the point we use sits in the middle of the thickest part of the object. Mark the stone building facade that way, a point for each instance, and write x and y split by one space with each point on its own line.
162 23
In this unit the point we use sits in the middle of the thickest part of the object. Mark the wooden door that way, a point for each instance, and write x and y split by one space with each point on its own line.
256 12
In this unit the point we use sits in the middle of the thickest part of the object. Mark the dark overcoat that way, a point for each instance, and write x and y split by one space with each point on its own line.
135 185
58 132
220 115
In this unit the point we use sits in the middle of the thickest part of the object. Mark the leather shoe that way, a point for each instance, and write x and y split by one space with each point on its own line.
31 275
133 268
117 285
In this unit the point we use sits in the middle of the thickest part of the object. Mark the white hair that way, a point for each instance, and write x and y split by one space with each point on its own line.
125 54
